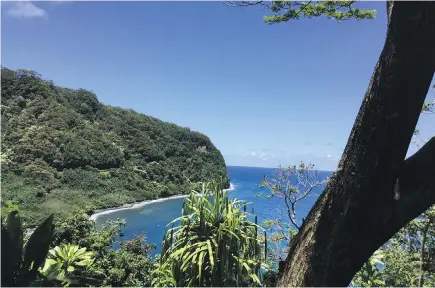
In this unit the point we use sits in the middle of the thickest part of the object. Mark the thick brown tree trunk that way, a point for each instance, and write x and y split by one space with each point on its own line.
374 192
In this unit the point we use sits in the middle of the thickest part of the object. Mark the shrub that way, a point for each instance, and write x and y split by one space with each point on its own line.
213 244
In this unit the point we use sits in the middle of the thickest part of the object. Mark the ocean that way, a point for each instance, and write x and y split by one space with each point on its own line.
154 216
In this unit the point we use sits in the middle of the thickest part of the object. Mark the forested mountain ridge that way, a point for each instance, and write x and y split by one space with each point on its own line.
62 149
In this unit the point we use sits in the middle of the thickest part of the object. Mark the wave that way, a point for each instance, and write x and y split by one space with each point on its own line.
95 216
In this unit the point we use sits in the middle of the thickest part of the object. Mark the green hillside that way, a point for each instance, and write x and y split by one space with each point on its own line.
63 149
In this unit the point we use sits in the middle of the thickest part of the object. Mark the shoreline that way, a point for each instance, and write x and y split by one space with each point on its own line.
128 206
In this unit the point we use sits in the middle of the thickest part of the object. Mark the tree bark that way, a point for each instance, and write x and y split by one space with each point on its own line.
374 192
422 254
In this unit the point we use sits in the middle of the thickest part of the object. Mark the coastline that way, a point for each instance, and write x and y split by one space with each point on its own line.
128 206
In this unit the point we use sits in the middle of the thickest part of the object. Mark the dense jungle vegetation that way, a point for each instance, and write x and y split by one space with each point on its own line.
216 242
62 150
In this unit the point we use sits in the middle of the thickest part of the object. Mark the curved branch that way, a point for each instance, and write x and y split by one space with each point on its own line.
415 188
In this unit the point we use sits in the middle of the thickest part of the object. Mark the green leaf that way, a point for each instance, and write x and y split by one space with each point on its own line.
255 278
7 267
210 254
200 261
15 233
37 247
248 269
51 267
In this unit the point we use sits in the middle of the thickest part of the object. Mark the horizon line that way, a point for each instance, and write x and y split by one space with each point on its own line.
242 166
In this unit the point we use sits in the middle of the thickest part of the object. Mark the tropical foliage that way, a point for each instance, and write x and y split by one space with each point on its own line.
213 243
371 274
130 265
62 150
87 259
20 261
65 259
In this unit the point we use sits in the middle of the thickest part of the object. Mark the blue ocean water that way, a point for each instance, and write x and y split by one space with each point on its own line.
153 217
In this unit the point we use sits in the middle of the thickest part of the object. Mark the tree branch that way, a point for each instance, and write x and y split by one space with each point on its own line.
290 212
308 191
358 211
244 3
415 188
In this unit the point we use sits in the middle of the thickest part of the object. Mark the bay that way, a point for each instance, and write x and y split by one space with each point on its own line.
153 217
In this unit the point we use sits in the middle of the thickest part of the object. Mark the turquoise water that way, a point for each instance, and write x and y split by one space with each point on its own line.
153 217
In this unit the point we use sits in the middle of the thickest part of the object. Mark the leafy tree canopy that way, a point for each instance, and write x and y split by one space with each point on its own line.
284 11
62 150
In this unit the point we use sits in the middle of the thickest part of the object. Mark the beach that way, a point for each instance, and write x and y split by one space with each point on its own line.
98 213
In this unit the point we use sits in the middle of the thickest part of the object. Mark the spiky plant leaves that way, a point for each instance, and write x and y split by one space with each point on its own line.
210 254
207 241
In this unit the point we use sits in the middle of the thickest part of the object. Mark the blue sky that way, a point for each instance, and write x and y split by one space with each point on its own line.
266 95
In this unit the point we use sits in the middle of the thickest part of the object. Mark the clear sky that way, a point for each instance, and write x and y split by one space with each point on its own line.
266 95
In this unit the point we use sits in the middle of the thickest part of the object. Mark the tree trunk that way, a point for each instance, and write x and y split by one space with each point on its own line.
422 254
374 191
